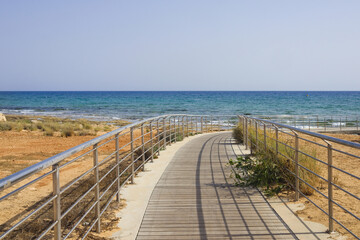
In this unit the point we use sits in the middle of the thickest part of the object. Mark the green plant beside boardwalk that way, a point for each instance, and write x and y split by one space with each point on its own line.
272 165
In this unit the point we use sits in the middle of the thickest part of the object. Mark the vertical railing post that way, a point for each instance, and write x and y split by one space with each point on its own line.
249 137
132 154
330 187
143 147
297 182
151 142
206 124
158 144
183 126
265 146
256 136
187 126
246 134
117 166
175 129
202 122
178 129
277 140
56 201
191 125
97 188
170 129
357 123
211 127
164 132
196 125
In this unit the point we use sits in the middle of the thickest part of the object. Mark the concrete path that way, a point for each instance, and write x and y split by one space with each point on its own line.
195 198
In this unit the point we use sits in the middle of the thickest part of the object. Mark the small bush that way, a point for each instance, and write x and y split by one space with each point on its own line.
17 126
259 172
282 160
67 132
4 126
48 132
238 135
54 126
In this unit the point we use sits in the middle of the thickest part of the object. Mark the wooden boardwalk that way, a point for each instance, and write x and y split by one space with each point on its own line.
196 198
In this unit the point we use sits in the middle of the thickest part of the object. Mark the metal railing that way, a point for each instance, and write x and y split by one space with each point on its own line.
320 123
314 163
76 200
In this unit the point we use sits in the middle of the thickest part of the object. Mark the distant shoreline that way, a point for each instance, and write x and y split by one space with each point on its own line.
136 105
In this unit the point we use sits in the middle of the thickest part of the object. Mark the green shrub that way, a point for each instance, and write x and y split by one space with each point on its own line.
237 134
67 132
260 171
283 160
5 126
48 131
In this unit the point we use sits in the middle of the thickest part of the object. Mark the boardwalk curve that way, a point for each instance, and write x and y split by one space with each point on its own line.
196 198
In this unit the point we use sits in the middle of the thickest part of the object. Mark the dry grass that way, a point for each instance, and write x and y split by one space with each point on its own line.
52 126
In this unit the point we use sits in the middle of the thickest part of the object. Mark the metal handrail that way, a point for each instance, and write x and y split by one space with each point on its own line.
162 131
16 177
251 138
314 134
323 123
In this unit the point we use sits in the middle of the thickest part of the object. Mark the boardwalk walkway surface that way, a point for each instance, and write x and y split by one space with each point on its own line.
196 198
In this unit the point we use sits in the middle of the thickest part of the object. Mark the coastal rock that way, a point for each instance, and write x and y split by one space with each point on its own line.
2 118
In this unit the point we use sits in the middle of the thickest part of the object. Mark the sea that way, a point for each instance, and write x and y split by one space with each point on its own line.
136 105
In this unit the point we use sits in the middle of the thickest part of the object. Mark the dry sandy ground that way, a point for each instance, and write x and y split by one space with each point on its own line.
349 164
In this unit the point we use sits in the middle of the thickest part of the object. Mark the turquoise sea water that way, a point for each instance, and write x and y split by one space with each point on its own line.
138 105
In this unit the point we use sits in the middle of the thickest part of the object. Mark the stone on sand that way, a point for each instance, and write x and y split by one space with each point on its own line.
2 118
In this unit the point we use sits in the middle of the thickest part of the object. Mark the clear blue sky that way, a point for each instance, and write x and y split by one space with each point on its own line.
180 45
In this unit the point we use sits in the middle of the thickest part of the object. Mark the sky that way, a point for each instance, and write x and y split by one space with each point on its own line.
179 45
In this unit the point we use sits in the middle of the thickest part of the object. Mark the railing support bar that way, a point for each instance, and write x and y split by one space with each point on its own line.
132 154
56 201
330 186
265 147
164 133
170 129
142 147
151 142
158 144
97 188
297 182
118 166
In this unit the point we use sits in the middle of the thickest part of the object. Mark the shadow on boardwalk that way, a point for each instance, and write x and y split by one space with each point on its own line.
196 198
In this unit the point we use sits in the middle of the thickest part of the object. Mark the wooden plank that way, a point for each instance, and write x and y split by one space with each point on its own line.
196 199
